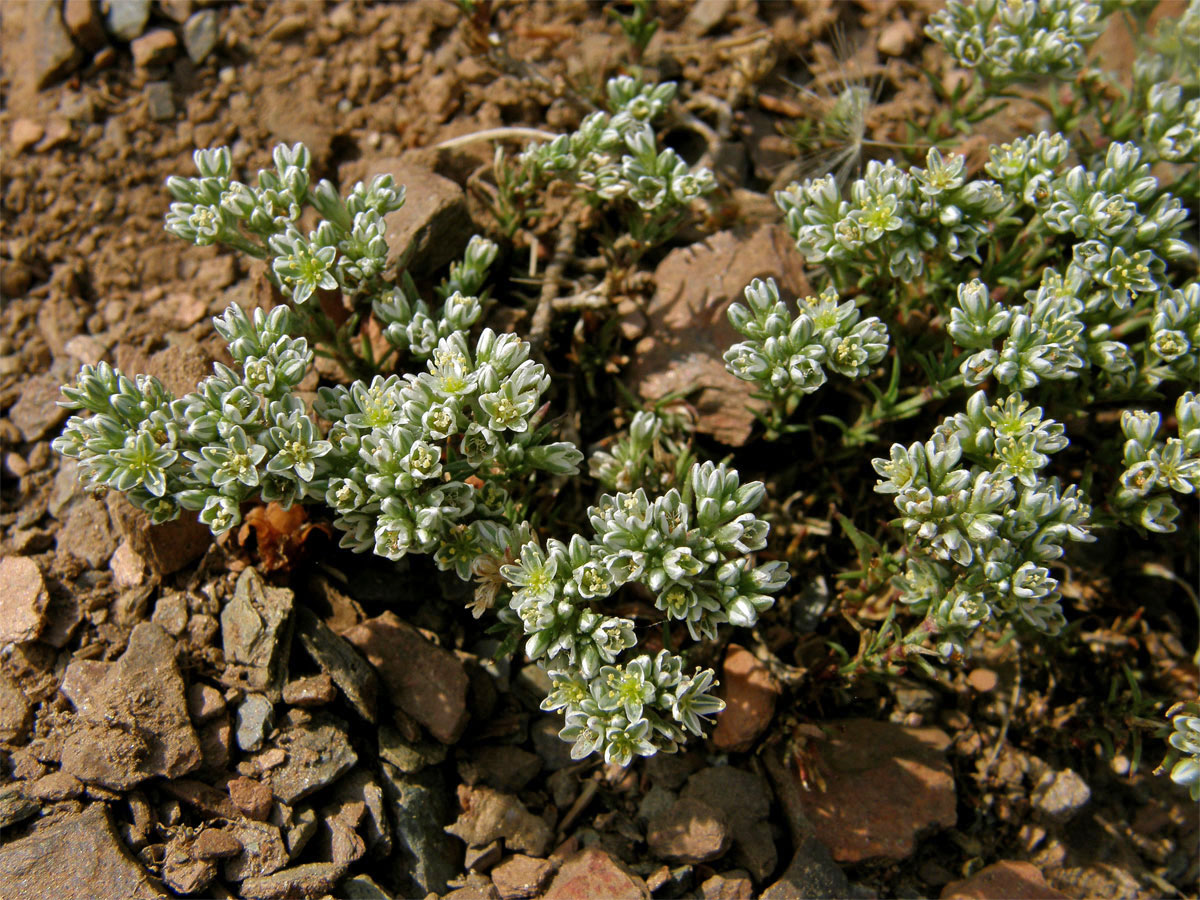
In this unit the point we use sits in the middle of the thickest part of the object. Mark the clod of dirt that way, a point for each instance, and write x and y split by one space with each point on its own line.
426 681
749 691
689 831
488 815
22 602
594 873
688 329
133 713
78 856
884 784
318 753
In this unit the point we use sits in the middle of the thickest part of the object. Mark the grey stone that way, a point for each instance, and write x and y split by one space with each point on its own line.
255 716
408 756
127 18
160 101
1058 796
424 857
200 35
256 632
78 856
318 754
338 659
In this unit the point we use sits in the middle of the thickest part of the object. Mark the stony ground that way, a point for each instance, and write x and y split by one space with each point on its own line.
268 717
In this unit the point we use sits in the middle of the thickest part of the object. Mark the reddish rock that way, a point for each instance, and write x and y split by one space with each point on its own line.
1005 880
592 873
204 702
154 48
252 797
315 690
216 843
426 681
521 876
749 692
23 600
166 548
489 815
884 784
689 831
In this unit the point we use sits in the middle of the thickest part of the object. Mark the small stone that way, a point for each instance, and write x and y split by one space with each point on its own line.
87 532
884 784
166 548
263 851
78 856
554 751
216 843
58 132
83 21
488 815
255 716
690 831
983 680
750 693
86 349
1058 796
895 37
288 26
359 787
23 600
204 702
54 53
1005 880
128 567
256 631
521 876
36 411
318 753
426 681
176 10
252 797
181 872
309 880
15 709
57 786
337 658
154 48
127 18
23 134
315 690
593 873
160 101
200 35
735 885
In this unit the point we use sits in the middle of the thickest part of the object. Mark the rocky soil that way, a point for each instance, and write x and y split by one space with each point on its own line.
269 717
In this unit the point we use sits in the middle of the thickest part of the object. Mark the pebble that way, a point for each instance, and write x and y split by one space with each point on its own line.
315 690
176 10
1004 880
83 21
689 831
24 133
1058 796
255 716
252 797
160 101
154 48
811 873
127 18
895 37
592 872
425 680
359 787
23 600
885 783
128 568
80 855
200 35
318 754
54 53
216 843
480 859
87 532
408 756
750 692
171 610
983 680
733 885
15 807
521 876
488 815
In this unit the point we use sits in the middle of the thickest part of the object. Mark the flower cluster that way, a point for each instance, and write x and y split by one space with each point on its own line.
404 447
1174 344
242 433
648 453
406 318
346 251
614 156
1171 128
788 356
1014 40
983 535
690 549
1184 756
1153 468
894 218
1046 338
